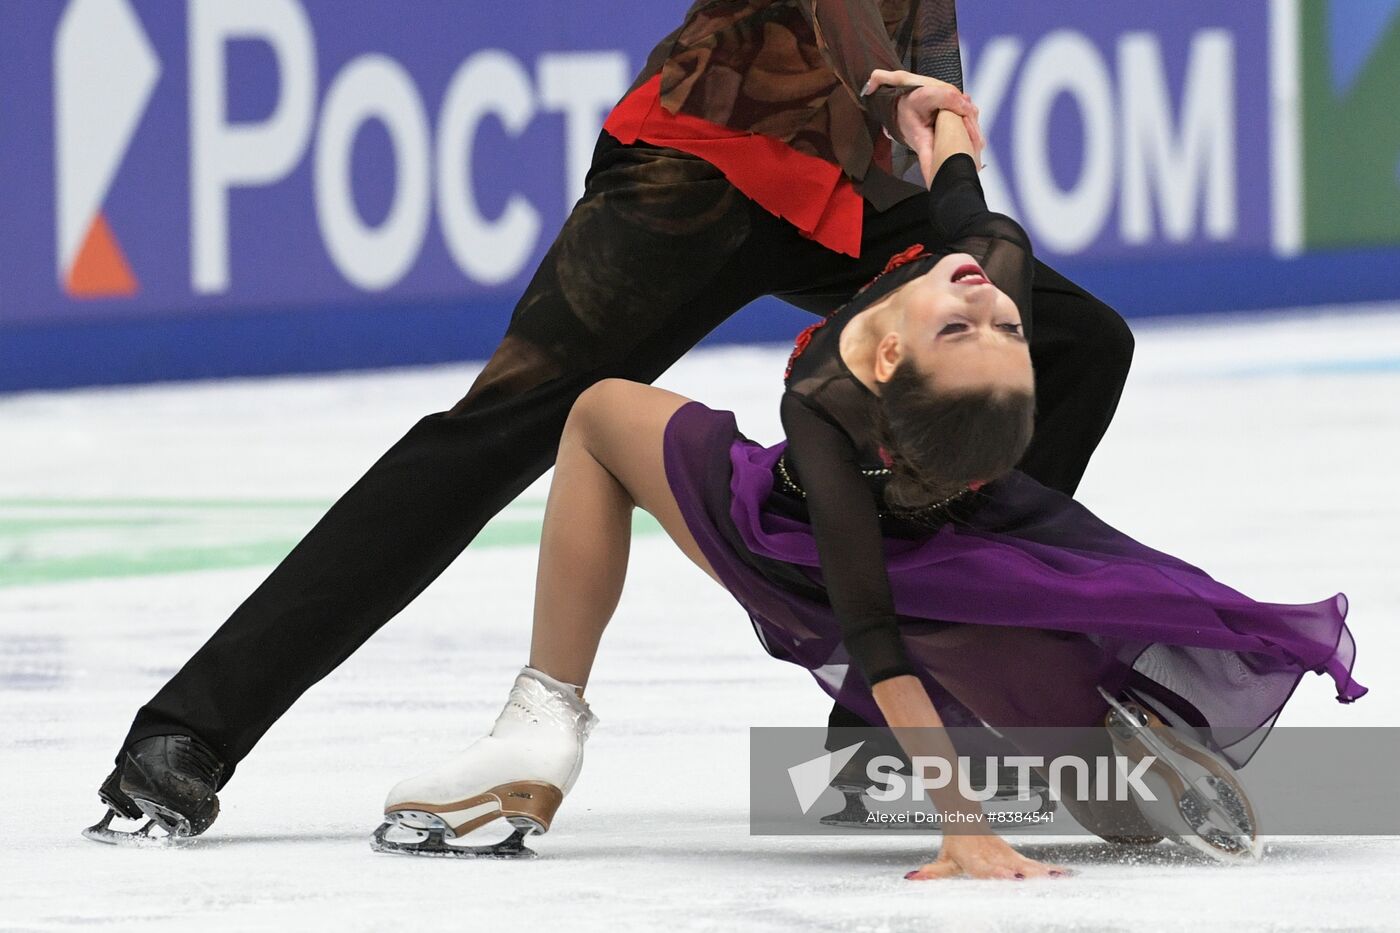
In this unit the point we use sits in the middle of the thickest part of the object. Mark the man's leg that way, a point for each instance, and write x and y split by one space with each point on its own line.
649 262
1082 350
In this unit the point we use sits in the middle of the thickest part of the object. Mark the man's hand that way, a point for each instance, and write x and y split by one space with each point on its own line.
917 110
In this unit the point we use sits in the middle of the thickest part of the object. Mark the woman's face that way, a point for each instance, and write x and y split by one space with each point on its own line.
959 326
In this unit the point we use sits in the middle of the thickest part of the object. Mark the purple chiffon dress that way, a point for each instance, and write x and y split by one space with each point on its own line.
1028 556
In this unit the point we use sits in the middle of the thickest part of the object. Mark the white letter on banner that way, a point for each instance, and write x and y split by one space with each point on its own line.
1065 221
1202 156
583 86
987 85
491 252
224 155
373 87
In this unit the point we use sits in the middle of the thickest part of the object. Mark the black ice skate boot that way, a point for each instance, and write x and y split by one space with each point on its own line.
169 779
853 783
111 794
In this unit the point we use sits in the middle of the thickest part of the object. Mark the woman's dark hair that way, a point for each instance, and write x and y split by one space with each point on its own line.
939 442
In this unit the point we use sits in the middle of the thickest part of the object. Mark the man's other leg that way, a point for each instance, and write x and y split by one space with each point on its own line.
1082 350
650 260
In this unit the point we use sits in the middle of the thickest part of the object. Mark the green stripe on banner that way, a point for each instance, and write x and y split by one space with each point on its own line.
1350 58
67 540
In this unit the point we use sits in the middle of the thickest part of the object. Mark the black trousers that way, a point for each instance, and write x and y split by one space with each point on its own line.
659 251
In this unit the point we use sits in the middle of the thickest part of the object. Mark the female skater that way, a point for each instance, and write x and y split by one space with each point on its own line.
890 548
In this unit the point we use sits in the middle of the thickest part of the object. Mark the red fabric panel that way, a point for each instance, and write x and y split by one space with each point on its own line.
810 193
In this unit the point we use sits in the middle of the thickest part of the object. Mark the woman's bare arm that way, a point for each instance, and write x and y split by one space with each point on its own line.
969 847
910 713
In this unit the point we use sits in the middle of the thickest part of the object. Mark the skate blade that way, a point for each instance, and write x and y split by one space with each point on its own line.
142 837
527 805
854 815
1229 840
1211 813
432 843
176 826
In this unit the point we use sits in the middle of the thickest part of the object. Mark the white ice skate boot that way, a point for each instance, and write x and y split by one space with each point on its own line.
1200 801
520 771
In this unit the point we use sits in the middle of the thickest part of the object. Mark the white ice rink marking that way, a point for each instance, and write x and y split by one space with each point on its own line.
1264 451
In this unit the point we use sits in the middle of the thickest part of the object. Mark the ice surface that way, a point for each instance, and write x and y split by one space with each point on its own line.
1264 450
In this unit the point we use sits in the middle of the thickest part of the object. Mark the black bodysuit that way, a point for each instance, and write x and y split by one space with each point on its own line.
831 417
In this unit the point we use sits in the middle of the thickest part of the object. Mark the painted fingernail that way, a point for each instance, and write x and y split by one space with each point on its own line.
1020 877
1057 874
912 875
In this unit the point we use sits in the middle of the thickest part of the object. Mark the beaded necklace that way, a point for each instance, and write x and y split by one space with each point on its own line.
791 485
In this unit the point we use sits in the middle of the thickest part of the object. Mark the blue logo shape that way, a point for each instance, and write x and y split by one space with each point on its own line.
1354 29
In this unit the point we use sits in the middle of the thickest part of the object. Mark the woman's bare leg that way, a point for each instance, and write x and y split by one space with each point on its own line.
610 461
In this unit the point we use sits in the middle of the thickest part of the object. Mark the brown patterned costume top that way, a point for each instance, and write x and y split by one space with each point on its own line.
793 70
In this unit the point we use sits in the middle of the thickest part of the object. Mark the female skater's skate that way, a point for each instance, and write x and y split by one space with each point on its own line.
1200 802
520 771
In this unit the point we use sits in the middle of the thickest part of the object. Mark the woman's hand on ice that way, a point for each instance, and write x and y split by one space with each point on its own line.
905 704
916 111
983 857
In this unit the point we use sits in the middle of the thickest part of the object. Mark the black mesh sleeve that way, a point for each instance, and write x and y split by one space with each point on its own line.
846 524
960 217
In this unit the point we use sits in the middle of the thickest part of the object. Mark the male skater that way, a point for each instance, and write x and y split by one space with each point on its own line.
744 162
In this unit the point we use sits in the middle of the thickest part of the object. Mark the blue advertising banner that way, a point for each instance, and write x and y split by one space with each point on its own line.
1139 134
205 188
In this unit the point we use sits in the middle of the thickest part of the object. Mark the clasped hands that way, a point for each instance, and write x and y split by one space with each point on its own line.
917 110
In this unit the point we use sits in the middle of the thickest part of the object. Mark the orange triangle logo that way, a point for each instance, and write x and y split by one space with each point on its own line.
101 269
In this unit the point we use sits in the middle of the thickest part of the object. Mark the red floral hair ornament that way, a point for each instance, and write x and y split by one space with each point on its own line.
901 258
800 344
904 256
